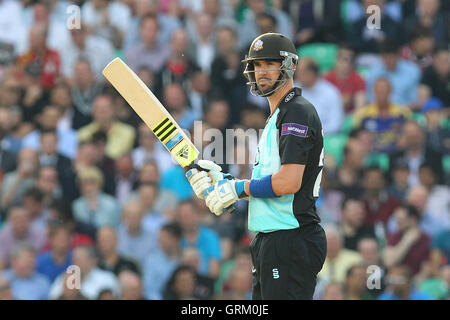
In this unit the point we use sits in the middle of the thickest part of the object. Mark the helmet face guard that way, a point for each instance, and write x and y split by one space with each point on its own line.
287 69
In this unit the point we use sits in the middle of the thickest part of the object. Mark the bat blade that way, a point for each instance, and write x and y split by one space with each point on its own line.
151 111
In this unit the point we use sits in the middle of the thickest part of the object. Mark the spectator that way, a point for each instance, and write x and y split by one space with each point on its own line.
167 21
352 224
349 83
47 182
126 178
60 96
368 248
338 259
175 101
403 75
200 92
349 173
322 94
367 40
17 182
149 149
84 89
437 75
120 136
50 157
399 286
436 216
60 212
227 72
409 245
33 202
10 143
70 292
93 279
239 285
40 64
379 204
181 284
203 41
249 29
437 136
399 180
428 16
356 284
95 207
204 284
373 118
200 237
318 23
414 151
160 263
26 283
179 66
165 199
148 52
130 286
333 291
54 262
48 120
420 48
106 19
110 260
5 289
135 241
96 49
19 229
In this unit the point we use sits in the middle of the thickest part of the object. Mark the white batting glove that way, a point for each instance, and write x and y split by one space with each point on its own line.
202 180
223 194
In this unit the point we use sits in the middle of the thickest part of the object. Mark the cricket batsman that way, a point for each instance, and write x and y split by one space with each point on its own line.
289 248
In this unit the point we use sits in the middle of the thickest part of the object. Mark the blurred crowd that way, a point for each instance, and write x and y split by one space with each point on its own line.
88 195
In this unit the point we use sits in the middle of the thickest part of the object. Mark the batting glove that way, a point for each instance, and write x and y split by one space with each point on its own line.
201 180
224 194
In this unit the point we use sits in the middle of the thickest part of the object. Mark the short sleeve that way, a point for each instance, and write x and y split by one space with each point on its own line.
297 132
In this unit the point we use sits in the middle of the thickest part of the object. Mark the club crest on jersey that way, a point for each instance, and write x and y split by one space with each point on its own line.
258 45
294 129
289 96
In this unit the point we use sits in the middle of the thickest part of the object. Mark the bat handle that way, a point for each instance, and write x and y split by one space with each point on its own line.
231 208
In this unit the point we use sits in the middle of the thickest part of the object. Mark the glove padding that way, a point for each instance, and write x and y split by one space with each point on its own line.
202 180
221 196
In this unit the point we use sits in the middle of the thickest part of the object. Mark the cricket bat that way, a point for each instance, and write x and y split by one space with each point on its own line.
151 111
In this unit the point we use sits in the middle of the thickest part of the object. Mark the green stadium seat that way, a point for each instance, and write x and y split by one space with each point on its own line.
348 124
446 163
378 159
322 53
334 145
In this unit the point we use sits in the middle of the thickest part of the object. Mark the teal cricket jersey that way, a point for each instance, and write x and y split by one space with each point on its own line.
293 134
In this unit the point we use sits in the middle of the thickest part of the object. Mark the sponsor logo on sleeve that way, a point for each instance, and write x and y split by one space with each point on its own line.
294 129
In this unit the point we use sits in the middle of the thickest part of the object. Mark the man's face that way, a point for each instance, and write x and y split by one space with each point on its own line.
188 217
149 31
132 216
368 249
441 62
49 142
103 110
354 213
60 240
20 221
413 136
82 259
266 74
106 240
390 60
24 264
382 91
47 180
50 118
265 25
373 180
402 219
166 240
